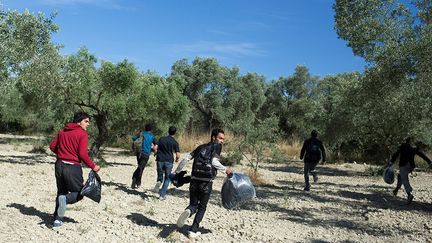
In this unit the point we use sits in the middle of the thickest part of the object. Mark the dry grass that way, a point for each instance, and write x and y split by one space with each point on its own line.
256 178
291 149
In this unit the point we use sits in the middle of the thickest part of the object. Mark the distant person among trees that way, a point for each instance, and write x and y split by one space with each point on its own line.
164 159
312 152
204 169
406 154
71 148
148 144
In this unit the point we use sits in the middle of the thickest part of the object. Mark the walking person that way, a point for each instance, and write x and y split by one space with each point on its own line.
148 143
312 152
70 146
204 169
164 159
406 154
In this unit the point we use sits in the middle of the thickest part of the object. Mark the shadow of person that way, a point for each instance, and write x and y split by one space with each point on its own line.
47 218
166 229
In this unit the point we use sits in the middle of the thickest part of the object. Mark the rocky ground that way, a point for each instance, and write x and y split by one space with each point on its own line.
345 205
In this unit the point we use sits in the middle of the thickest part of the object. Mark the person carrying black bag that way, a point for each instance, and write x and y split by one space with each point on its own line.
312 152
204 169
70 147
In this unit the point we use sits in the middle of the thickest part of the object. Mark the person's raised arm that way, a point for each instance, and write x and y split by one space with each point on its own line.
182 163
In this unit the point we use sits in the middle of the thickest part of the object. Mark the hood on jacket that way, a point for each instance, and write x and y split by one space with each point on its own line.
72 126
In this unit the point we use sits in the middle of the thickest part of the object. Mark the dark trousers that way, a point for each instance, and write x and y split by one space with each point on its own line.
137 175
70 181
199 195
309 169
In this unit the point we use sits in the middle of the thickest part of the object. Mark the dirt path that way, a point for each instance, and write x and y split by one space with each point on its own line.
344 206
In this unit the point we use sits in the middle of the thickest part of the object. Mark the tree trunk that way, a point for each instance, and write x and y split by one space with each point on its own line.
101 122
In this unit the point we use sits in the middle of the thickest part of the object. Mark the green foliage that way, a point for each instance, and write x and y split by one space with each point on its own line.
256 139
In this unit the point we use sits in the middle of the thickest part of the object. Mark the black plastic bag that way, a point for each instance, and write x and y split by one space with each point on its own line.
92 188
389 175
237 190
179 179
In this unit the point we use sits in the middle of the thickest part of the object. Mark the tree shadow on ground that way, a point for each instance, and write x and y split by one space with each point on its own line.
126 189
26 160
166 229
297 168
18 140
47 219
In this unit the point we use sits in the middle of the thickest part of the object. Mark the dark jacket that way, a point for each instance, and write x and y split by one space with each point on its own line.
306 144
407 153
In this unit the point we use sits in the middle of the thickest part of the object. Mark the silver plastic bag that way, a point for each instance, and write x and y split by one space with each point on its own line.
237 190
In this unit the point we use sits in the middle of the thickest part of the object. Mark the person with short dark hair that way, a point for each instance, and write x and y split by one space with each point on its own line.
205 165
148 144
406 154
164 159
70 146
312 151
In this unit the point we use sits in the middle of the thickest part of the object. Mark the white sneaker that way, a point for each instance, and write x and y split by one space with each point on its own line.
183 217
57 223
194 234
62 206
156 187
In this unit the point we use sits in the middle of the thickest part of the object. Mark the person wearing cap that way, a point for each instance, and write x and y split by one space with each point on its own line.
406 154
71 148
312 152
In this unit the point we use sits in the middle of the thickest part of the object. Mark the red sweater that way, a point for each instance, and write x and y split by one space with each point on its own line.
70 145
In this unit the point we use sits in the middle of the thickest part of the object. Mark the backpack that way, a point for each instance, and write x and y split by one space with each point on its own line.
313 151
202 165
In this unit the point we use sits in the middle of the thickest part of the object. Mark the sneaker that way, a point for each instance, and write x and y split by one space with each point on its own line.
162 198
183 217
307 188
156 187
57 223
410 199
62 206
134 185
194 234
315 178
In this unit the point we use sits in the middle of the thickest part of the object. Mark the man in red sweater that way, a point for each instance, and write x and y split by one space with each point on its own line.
70 147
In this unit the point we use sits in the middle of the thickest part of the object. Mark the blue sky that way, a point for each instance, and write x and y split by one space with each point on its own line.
269 37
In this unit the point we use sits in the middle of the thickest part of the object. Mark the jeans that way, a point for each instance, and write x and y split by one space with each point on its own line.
137 175
403 178
199 195
163 171
70 181
309 168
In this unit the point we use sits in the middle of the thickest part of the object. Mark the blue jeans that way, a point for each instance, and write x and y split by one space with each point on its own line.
163 171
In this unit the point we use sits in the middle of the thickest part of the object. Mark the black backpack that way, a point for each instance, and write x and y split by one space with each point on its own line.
202 165
313 151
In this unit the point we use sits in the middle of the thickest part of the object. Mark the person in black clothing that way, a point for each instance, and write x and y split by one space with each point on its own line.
164 160
206 162
406 155
312 152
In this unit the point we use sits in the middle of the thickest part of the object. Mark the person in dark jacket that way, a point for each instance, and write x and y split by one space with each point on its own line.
70 147
203 173
406 154
312 152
